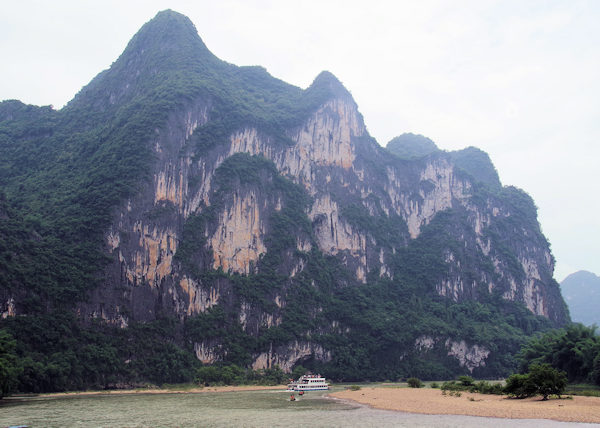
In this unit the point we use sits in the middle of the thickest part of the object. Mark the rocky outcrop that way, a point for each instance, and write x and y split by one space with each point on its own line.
287 356
238 240
469 356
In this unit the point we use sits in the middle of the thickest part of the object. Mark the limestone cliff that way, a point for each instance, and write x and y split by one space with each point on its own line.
276 231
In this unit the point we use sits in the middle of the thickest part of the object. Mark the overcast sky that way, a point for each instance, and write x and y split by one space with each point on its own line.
518 79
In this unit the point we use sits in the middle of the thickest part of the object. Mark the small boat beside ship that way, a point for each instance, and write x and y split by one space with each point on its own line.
309 383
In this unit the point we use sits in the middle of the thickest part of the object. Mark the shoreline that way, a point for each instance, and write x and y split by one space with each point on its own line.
197 390
433 402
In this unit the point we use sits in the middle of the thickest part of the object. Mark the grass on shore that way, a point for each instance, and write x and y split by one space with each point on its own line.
585 389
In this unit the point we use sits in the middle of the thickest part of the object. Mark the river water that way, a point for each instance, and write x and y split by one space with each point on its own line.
230 409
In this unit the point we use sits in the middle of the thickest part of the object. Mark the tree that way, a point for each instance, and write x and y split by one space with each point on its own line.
572 349
519 386
466 380
596 371
547 380
414 382
298 371
9 363
542 379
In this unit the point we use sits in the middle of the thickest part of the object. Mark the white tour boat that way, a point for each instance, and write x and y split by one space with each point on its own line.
308 383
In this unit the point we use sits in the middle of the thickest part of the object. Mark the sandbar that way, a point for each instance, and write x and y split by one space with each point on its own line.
173 390
433 402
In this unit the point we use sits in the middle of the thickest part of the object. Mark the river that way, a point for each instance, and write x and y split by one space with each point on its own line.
229 409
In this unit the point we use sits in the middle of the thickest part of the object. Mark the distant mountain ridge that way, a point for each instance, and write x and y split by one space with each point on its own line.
581 291
182 211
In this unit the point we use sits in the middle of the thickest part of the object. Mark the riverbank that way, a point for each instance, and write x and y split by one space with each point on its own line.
171 390
433 402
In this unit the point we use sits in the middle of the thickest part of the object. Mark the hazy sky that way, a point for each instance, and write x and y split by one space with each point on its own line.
518 79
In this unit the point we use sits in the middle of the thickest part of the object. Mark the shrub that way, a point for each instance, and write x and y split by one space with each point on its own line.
518 386
484 387
547 380
434 385
542 379
354 387
465 380
414 382
450 386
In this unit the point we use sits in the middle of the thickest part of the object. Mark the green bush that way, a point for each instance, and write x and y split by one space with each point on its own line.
547 380
451 385
542 379
484 387
434 385
466 380
414 382
518 386
354 387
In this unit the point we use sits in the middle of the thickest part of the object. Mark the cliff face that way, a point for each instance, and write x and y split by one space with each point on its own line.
330 155
271 219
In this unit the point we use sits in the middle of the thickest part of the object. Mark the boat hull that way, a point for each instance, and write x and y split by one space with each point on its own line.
309 389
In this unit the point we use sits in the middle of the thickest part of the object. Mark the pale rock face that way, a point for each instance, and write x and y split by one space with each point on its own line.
384 271
238 239
206 353
171 180
249 141
470 357
485 246
325 139
511 293
266 320
198 299
424 343
419 211
303 245
243 315
113 240
335 235
533 298
10 309
279 301
171 185
299 267
153 261
202 195
120 320
531 293
291 354
451 288
269 320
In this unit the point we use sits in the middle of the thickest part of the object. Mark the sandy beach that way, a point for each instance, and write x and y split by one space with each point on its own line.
433 402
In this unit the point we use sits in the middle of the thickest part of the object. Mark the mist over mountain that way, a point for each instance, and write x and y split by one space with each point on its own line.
581 291
182 211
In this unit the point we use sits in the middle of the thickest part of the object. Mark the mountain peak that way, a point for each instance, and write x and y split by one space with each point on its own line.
327 80
170 31
167 44
411 146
